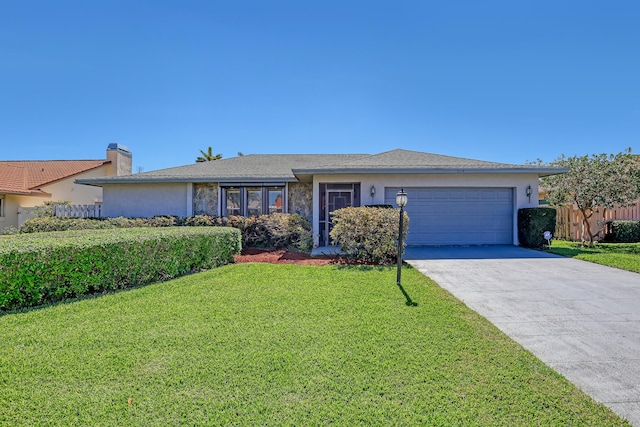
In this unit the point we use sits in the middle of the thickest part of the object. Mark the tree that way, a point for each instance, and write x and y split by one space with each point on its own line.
593 183
208 156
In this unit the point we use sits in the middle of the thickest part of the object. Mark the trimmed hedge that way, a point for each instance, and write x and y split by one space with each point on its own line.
369 234
532 223
625 231
42 268
54 223
277 230
57 223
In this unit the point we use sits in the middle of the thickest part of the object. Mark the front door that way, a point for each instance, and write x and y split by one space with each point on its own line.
336 199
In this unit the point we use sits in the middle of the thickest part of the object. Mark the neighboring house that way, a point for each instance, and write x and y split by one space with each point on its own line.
451 200
29 183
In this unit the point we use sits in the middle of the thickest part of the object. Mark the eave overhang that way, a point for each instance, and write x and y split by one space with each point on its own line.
32 193
333 171
99 182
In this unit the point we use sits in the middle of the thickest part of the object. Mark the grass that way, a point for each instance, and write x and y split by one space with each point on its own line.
625 256
285 345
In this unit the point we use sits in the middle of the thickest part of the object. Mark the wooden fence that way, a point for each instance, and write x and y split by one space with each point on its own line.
78 211
569 221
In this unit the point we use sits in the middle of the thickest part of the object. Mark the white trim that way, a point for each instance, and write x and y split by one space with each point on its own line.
189 199
285 198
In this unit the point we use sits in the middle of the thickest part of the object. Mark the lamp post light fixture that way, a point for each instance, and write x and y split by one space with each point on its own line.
401 201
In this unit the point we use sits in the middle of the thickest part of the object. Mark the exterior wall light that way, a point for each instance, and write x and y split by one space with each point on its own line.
529 193
373 191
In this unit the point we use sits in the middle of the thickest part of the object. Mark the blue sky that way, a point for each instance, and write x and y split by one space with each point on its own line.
506 81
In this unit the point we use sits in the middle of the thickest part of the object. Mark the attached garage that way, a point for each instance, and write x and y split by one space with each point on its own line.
458 216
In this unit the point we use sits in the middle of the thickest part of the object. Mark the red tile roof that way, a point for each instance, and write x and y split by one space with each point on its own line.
26 177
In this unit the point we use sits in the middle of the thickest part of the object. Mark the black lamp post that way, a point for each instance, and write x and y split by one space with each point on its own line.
401 201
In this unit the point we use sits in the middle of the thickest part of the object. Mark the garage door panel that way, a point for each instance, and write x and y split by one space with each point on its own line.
458 216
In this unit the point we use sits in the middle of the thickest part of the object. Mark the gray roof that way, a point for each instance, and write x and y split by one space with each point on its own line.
273 168
406 161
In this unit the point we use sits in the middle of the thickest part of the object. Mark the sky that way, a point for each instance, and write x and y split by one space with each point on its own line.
505 81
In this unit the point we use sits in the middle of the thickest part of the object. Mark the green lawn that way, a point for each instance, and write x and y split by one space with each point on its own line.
281 345
620 255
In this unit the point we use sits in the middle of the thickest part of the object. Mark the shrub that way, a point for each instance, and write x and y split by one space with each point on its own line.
532 223
201 221
288 231
56 223
46 209
277 230
48 267
626 231
122 222
9 230
367 233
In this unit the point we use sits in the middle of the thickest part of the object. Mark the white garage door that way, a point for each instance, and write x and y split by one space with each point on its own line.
458 216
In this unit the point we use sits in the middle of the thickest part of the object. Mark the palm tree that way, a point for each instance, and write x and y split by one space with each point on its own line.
208 156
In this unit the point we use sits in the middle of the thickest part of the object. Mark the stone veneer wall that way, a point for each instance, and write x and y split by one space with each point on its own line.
300 197
205 199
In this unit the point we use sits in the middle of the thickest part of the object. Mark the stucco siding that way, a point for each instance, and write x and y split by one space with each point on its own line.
10 218
67 191
146 200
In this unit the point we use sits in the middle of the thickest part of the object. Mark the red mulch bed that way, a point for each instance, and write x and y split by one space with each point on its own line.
281 256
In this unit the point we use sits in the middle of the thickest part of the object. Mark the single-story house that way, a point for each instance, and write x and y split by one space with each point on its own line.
452 201
25 184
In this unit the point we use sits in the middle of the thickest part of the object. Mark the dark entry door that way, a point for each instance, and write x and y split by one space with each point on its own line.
336 199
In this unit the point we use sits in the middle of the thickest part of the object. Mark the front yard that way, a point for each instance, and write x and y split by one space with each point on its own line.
625 256
258 344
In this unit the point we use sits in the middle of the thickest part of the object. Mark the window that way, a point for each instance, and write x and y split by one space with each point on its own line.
252 201
233 202
1 206
275 200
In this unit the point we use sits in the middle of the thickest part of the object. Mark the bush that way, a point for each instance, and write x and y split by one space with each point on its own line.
532 223
277 230
626 231
46 209
56 223
367 233
47 267
9 230
122 222
201 221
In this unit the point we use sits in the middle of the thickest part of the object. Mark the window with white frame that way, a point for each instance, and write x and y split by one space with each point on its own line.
252 201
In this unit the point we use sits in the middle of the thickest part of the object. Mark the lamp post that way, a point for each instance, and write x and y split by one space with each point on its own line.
401 201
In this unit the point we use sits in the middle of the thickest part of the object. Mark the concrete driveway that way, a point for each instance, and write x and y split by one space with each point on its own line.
582 319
